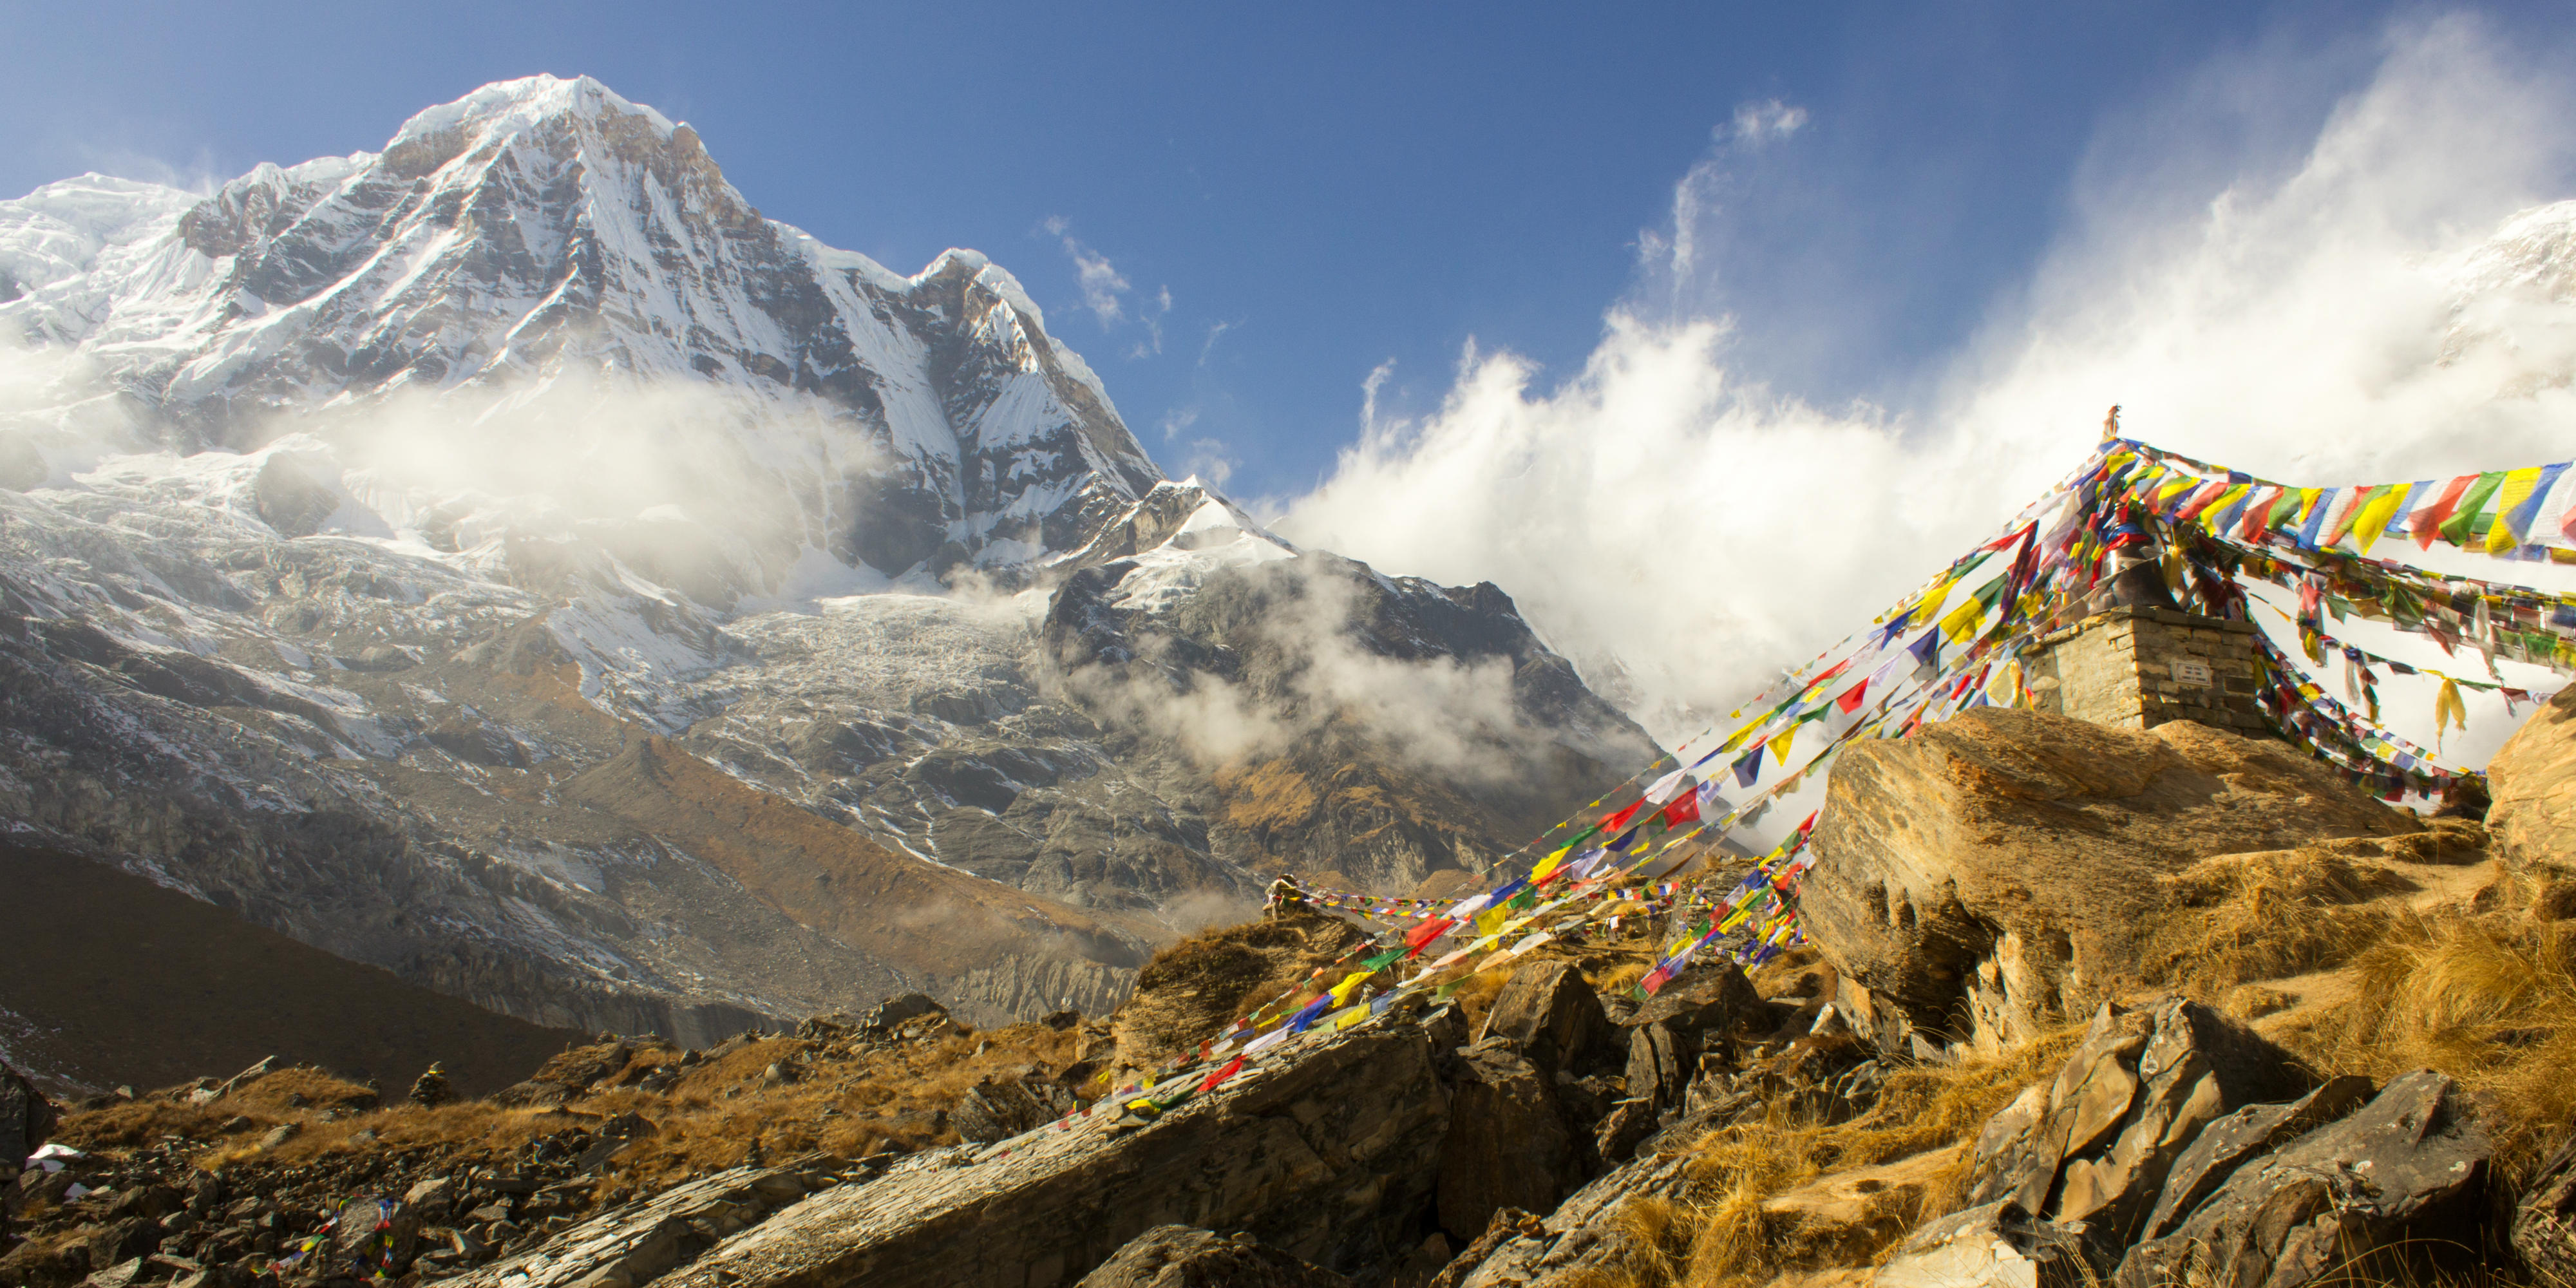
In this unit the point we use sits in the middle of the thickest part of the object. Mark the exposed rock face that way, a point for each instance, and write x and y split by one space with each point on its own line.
1549 1014
2092 1148
1581 1241
1508 1145
1327 1158
637 1244
1992 875
1990 1244
2407 1168
2533 778
1176 1256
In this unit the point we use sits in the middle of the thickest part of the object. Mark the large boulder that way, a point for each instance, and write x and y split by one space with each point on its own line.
2092 1147
1994 875
2401 1176
1507 1146
2533 780
1176 1256
27 1120
1710 998
1548 1013
632 1244
1326 1151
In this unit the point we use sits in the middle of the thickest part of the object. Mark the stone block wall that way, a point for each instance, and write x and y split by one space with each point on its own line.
2136 668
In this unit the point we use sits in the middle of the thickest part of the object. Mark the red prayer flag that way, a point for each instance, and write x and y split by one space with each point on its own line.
1850 700
1684 809
1232 1068
1619 820
1421 936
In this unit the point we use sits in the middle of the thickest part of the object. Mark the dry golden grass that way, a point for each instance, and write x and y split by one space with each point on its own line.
721 1112
2363 982
1724 1237
2243 918
2489 1000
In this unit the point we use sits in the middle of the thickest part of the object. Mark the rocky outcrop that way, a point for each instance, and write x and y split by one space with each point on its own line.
1992 1243
2091 1149
1582 1241
636 1244
1508 1144
1993 875
2533 780
1549 1014
1176 1256
1327 1157
2401 1176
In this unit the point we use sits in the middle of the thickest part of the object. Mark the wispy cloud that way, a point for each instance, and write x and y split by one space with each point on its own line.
1102 287
1216 332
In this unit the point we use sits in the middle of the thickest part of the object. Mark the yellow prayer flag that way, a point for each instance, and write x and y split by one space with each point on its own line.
2501 538
1342 991
2209 516
1548 864
1962 621
2374 516
1780 745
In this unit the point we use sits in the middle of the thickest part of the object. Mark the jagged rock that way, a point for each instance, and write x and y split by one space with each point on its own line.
1713 997
1658 1079
1507 1144
121 1275
888 1014
1548 1013
2094 1144
1991 1244
371 1237
115 1242
432 1198
27 1119
1994 874
1326 1154
1000 1108
631 1246
2250 1132
1581 1242
1176 1256
2544 1222
2406 1168
290 499
2533 779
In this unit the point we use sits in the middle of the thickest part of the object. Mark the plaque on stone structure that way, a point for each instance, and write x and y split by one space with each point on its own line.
2187 670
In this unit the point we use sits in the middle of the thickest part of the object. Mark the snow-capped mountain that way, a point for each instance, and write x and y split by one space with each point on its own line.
511 559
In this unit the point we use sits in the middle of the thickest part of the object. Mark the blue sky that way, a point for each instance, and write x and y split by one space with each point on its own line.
1320 188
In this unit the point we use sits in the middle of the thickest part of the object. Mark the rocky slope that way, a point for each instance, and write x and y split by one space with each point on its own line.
2341 1060
510 559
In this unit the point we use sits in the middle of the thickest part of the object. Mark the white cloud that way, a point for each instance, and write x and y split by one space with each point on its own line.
1102 286
2293 316
1768 120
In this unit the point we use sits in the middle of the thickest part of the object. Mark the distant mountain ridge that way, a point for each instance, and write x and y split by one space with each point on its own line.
510 559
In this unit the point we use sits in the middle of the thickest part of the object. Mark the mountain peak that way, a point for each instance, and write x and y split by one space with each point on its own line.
511 104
